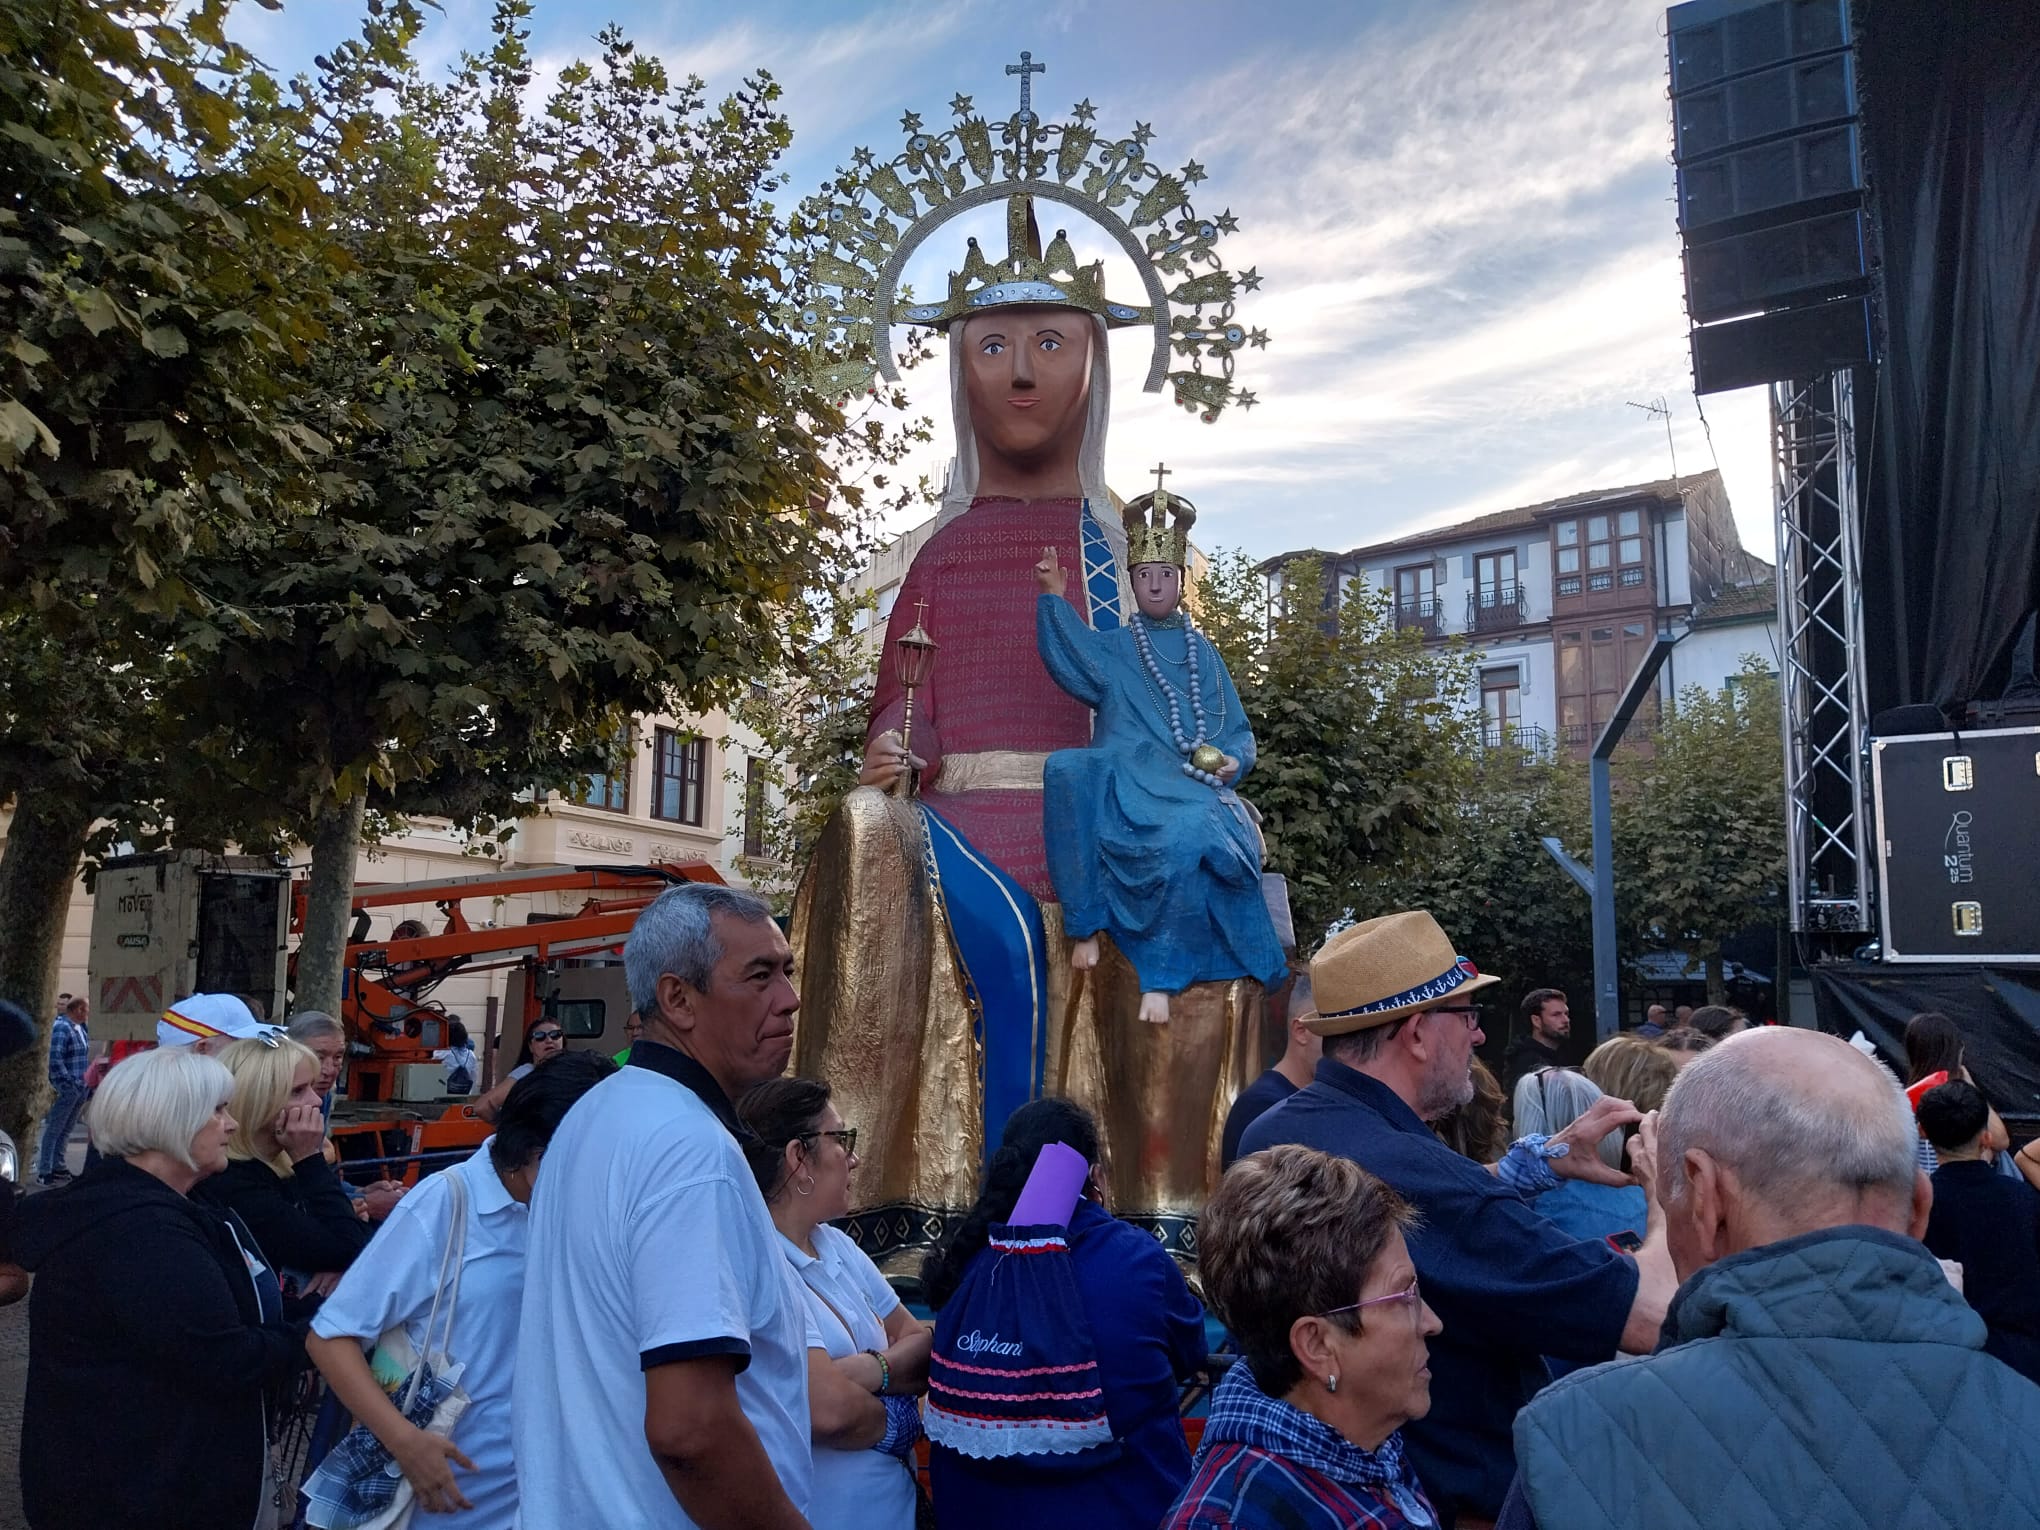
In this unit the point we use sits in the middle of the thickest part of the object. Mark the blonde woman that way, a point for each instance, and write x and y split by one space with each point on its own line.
1634 1069
277 1179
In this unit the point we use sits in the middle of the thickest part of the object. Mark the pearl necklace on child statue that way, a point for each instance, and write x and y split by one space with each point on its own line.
1200 758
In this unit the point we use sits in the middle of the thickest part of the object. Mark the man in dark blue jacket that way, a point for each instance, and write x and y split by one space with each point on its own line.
1817 1368
1396 1008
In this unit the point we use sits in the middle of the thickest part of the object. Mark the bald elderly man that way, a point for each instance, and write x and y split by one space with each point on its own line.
1816 1367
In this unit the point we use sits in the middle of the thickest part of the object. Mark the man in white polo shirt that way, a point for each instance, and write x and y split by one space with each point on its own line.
662 1358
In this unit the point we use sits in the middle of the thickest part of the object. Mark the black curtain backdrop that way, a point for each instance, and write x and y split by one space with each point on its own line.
1998 1009
1950 452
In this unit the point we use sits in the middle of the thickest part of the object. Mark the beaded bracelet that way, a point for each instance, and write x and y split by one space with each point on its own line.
884 1371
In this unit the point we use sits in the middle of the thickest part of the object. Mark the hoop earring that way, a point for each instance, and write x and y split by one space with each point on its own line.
806 1189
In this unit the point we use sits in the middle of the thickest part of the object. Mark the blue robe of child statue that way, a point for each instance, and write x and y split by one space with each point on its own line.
1167 863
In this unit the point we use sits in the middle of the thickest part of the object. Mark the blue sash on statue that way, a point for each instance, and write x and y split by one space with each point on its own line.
1003 954
1101 574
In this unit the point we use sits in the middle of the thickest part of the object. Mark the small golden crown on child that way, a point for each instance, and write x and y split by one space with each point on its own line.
1150 538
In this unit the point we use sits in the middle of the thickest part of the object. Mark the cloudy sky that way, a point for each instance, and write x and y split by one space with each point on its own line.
1461 211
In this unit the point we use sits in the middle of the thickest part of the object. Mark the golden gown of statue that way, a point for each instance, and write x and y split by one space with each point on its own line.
887 1017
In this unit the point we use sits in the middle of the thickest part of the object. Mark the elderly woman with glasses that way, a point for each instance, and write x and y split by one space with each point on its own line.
867 1356
1303 1258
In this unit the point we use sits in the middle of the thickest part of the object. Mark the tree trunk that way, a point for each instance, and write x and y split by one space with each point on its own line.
329 903
37 867
1717 986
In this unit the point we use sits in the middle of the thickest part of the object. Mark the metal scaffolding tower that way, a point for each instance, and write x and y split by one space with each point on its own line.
1820 617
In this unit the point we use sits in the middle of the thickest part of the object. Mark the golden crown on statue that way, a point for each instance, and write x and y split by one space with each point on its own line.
1158 526
862 228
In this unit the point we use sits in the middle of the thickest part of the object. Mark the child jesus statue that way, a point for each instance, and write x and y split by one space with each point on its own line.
1145 836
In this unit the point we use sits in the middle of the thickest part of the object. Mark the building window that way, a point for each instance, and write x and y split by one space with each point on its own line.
1501 705
1494 573
611 793
679 776
1567 534
1416 598
1415 589
754 807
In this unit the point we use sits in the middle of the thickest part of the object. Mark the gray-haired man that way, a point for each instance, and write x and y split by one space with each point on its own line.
663 1353
1816 1366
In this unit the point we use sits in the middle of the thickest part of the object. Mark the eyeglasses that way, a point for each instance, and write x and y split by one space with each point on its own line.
847 1136
1470 1013
548 1035
1412 1293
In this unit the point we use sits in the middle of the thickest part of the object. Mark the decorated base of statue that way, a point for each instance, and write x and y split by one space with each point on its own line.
901 1042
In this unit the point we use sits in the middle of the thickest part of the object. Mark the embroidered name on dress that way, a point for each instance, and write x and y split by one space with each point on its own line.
975 1343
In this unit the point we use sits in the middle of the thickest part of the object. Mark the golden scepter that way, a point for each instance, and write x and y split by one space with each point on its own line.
913 658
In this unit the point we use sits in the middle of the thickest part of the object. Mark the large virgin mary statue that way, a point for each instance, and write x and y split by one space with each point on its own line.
937 994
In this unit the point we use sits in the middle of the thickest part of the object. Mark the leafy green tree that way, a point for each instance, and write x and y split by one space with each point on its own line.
811 719
1363 737
1700 823
578 470
146 334
1492 885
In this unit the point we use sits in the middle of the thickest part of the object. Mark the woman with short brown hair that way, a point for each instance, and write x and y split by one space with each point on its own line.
1304 1260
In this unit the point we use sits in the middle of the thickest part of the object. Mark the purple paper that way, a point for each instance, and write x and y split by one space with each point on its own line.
1052 1189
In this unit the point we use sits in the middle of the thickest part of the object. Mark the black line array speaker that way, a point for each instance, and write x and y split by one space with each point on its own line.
1958 840
1767 142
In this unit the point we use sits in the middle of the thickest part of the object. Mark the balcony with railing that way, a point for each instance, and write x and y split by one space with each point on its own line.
1424 612
1642 732
1524 738
1496 608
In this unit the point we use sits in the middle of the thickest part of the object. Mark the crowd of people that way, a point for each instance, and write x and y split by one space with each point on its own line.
1702 1278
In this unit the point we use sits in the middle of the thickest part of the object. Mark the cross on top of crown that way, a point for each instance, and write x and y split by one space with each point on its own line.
1161 471
1026 69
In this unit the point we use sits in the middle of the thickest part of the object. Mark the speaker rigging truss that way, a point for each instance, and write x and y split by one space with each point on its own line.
1820 609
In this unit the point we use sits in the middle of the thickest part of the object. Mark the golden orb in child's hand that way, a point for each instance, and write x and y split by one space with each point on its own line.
1207 758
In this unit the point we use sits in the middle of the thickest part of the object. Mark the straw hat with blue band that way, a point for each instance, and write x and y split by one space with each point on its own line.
1385 969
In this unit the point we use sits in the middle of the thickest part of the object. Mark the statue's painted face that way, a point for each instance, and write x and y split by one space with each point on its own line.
1027 378
1157 587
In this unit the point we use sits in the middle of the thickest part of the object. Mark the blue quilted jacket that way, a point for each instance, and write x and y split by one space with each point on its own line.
1832 1380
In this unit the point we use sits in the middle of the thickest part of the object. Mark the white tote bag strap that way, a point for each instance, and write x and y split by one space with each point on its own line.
447 1293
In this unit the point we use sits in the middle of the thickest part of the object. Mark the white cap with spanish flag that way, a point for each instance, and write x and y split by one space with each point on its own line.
204 1016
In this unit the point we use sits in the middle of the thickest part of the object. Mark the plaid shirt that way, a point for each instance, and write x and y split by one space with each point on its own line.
70 1053
1264 1462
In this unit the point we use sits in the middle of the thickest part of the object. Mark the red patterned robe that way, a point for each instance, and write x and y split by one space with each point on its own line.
988 690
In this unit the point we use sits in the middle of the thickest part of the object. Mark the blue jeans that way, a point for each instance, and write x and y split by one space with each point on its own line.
64 1111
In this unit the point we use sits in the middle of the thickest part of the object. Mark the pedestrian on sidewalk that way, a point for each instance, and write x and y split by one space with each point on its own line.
70 1056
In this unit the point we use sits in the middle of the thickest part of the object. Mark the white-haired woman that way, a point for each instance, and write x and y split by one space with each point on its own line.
156 1325
277 1179
1549 1101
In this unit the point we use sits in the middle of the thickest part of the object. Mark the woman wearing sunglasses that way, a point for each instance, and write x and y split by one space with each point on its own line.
542 1043
868 1356
1303 1258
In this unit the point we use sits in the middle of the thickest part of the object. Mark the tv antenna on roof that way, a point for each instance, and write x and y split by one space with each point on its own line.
1657 408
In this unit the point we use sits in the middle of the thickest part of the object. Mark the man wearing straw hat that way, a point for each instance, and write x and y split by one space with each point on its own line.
1395 1006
